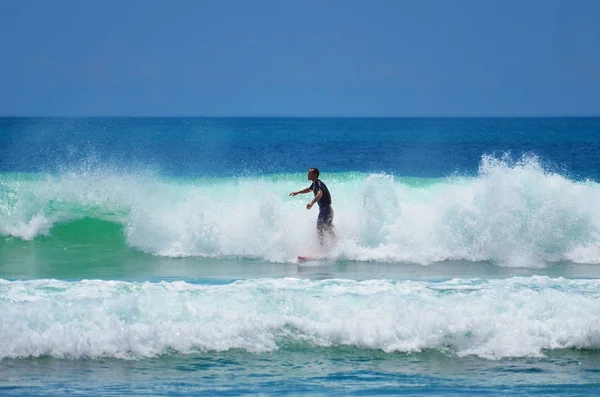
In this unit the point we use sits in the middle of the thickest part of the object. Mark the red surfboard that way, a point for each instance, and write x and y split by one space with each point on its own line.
304 258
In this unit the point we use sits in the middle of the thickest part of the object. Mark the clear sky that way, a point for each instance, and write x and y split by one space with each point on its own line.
300 58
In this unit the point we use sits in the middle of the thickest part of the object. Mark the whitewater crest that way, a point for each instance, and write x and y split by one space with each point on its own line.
510 213
492 319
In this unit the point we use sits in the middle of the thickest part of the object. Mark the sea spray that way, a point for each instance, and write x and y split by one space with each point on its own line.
511 213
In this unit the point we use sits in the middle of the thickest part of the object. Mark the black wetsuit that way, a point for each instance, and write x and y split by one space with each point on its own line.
325 218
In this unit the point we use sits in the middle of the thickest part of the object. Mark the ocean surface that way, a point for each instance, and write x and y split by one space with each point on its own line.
158 256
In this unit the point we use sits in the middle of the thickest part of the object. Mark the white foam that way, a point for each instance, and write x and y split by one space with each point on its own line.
518 317
514 214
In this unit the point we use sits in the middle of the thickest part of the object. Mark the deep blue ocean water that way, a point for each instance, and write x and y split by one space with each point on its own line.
158 256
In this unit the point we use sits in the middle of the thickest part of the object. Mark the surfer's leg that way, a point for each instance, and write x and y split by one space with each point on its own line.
322 225
331 233
321 235
325 226
328 226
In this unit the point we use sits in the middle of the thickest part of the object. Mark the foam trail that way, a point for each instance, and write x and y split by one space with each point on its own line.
518 317
511 213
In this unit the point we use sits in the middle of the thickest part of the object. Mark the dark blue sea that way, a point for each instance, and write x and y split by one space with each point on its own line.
159 256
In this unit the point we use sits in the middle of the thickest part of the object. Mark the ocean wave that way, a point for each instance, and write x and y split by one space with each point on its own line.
492 319
513 213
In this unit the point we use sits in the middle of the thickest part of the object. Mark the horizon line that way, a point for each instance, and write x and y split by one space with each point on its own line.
301 116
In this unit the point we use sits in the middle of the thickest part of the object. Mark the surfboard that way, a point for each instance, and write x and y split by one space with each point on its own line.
304 258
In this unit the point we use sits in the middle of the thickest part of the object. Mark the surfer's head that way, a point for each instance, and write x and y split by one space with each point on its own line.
313 174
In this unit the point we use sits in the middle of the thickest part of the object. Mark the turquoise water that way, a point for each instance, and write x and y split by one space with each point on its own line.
159 257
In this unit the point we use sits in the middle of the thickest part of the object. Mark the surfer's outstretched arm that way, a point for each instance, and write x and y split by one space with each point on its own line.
303 191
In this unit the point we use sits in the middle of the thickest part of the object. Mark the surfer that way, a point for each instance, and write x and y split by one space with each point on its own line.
323 198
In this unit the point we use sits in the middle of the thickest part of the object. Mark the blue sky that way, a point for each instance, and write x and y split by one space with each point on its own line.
300 58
